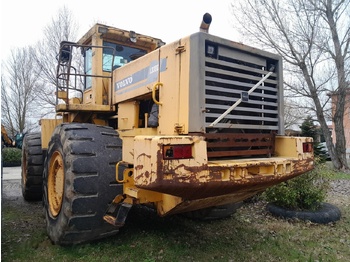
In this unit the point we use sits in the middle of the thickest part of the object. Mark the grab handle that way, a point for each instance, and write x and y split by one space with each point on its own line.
158 84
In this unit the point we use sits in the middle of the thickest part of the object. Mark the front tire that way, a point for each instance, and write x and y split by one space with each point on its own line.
79 170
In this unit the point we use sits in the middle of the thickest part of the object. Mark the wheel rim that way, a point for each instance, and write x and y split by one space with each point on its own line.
24 168
55 183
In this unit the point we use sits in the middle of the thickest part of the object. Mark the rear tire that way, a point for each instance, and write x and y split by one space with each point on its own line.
213 213
79 169
32 168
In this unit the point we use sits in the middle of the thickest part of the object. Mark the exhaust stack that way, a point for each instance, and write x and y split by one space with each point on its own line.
204 27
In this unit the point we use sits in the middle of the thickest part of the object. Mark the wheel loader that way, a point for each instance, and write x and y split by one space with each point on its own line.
191 127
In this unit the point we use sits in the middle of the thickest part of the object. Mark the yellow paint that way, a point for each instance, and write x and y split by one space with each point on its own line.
47 128
55 183
290 146
83 107
140 196
128 115
148 151
62 95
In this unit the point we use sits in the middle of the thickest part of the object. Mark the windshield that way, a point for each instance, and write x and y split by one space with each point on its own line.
122 56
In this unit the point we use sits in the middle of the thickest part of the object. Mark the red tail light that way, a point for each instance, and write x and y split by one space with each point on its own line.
307 147
177 151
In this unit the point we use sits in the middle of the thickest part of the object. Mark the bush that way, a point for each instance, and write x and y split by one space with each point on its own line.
11 156
305 192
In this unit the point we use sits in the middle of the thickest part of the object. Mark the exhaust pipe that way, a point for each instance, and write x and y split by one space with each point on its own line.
204 27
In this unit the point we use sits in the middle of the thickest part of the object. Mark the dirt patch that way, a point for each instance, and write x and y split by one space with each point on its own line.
11 189
11 199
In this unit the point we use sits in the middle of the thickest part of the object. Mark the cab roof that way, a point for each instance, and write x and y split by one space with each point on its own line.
114 34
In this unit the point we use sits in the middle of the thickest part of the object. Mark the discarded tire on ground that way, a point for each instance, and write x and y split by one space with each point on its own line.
325 214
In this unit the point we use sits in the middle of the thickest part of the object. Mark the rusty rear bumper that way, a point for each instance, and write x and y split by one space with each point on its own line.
197 178
241 178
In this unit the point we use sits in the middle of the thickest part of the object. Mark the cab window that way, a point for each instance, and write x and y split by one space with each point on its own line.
122 55
88 68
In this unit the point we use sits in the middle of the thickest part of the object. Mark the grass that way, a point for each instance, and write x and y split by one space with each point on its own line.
249 235
340 175
336 175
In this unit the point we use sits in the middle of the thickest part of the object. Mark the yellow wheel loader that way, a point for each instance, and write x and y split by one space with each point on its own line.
192 127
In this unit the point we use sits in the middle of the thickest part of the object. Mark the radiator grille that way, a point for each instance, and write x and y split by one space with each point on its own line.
227 76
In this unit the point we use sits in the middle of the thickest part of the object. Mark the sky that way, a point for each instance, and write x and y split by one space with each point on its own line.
23 21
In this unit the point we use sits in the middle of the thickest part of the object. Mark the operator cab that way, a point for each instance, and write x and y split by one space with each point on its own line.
101 50
114 56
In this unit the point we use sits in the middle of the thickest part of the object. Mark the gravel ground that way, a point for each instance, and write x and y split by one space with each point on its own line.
339 194
340 187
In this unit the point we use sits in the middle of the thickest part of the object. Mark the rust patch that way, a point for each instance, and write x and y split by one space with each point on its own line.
146 174
143 155
193 184
139 167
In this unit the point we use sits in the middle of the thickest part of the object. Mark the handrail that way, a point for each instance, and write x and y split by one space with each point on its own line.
65 70
154 93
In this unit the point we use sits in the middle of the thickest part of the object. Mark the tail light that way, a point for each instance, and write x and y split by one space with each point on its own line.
177 151
307 147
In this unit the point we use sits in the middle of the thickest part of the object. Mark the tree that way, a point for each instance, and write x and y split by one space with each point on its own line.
63 27
19 89
292 113
313 37
309 129
29 76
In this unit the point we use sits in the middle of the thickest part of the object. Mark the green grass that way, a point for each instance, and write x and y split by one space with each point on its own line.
250 235
335 174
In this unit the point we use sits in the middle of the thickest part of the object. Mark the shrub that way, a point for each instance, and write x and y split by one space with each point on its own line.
11 156
305 192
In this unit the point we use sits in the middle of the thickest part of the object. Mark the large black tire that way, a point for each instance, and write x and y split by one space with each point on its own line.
32 167
327 213
213 213
79 182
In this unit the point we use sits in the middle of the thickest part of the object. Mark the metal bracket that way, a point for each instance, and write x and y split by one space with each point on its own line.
118 211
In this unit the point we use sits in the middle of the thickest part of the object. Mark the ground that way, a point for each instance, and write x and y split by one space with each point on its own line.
243 237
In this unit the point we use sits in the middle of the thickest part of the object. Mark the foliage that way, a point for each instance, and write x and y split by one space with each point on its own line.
309 129
11 156
321 152
305 192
